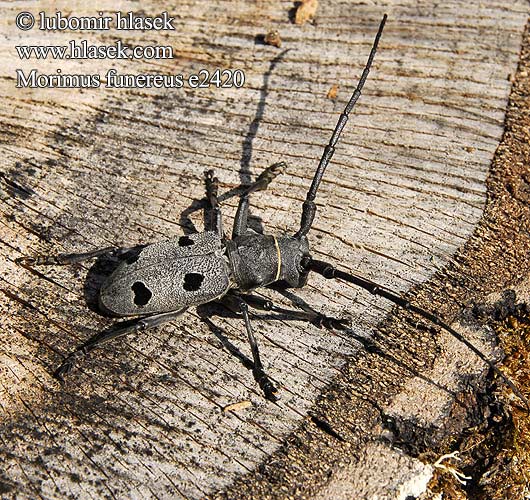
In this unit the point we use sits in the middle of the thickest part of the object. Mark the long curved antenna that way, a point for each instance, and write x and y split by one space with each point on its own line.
329 271
309 207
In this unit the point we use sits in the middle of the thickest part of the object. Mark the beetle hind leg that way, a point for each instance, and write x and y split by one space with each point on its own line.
63 259
214 221
114 332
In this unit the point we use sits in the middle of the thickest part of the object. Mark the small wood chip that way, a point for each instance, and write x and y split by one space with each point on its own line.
306 10
332 92
273 38
237 406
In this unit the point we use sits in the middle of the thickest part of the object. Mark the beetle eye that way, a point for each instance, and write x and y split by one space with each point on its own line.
305 262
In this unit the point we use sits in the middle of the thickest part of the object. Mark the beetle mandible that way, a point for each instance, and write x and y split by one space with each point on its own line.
158 282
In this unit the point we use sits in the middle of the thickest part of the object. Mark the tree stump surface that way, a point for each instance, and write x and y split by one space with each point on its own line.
84 169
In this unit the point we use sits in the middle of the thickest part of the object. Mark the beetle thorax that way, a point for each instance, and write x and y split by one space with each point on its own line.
259 260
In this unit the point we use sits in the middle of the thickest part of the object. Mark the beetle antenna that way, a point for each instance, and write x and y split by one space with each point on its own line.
328 271
309 207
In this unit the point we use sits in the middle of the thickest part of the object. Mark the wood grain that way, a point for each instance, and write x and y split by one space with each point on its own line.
85 169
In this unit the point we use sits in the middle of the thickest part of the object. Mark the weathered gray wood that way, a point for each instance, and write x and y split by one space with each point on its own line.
88 169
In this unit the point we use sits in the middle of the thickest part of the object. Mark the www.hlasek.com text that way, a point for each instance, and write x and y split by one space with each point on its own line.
84 50
202 79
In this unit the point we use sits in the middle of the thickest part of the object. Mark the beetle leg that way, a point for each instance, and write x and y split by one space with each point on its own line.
318 319
114 332
266 177
261 183
212 190
237 303
73 258
259 373
241 218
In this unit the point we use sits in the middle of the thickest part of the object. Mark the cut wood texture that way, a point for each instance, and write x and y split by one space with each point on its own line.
83 169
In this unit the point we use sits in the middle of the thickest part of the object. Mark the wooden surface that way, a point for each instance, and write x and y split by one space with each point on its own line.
86 169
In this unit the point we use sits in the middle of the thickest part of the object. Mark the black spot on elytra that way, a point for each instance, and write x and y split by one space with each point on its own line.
142 294
193 281
185 241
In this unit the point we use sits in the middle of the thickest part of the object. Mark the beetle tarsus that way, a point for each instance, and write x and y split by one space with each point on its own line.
268 388
65 368
25 261
212 184
261 183
268 175
318 319
330 323
38 260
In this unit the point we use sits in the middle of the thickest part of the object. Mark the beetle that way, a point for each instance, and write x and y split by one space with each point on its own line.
158 282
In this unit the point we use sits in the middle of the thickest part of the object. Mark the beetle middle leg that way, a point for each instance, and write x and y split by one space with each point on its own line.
236 303
318 319
115 332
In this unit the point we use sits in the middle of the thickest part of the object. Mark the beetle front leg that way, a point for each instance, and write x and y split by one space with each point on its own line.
114 333
261 183
73 258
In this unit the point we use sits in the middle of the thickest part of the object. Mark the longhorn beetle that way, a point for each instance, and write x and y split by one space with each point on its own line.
160 281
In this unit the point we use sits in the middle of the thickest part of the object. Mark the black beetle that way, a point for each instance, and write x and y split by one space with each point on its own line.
160 281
